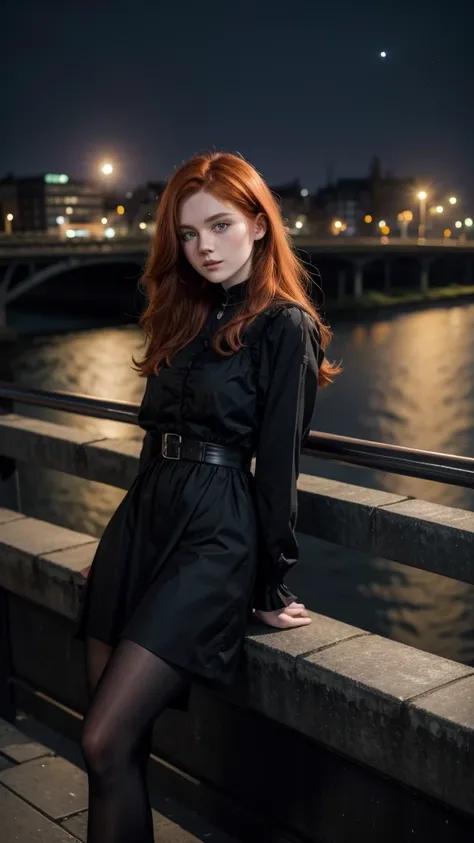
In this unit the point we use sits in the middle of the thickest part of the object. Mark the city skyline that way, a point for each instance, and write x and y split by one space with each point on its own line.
300 92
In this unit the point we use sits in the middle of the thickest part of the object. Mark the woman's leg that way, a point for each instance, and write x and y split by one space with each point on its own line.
134 689
97 655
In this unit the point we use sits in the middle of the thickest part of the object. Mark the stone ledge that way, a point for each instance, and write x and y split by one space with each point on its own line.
409 531
72 450
404 530
41 562
379 702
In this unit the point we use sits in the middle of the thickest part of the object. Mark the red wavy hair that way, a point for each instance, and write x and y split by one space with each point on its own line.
179 299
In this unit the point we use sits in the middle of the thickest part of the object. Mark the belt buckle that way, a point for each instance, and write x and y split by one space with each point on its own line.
165 444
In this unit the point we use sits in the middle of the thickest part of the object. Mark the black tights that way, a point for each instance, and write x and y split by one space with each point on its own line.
130 687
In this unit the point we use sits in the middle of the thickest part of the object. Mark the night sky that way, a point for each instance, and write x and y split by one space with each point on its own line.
298 92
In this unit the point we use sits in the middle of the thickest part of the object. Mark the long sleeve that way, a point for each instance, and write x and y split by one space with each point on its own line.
288 378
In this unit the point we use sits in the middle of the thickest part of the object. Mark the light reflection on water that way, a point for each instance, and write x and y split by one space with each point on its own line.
407 380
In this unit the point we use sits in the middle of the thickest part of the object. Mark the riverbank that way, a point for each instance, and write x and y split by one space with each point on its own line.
375 303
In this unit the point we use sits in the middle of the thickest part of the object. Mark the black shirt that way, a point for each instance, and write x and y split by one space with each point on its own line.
260 399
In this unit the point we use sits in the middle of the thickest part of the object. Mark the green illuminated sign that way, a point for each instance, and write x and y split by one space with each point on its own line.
56 178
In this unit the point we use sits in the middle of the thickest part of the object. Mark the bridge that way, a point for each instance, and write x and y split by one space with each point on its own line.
330 733
26 263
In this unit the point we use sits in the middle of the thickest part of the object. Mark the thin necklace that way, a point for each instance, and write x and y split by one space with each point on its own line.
223 307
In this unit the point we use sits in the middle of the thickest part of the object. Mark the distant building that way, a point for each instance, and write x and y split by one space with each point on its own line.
43 203
294 203
360 204
141 204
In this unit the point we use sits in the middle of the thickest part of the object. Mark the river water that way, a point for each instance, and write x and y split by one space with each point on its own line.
408 379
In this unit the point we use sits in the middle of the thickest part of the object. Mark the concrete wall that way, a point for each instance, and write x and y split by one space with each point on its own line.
325 727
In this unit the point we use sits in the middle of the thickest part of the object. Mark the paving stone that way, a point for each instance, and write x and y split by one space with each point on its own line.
18 747
165 830
20 823
53 785
77 825
9 515
5 764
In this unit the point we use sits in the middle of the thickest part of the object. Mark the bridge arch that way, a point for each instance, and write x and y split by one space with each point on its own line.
9 294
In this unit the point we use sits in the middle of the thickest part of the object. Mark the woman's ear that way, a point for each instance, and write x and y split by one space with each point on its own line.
260 226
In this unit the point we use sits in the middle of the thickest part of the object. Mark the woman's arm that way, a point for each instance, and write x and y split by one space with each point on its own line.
288 380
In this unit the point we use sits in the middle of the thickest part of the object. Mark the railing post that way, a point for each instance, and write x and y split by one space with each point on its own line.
425 276
10 498
359 280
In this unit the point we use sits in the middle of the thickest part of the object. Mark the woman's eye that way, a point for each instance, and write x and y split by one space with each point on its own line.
185 237
225 224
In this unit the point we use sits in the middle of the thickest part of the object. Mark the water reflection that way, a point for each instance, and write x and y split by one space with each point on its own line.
408 380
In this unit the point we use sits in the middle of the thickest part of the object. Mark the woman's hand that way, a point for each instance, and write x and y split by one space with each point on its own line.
289 616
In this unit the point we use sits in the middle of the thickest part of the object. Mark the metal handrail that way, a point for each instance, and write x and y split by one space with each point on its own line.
411 462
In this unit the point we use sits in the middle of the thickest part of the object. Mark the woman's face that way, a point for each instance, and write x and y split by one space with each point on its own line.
211 231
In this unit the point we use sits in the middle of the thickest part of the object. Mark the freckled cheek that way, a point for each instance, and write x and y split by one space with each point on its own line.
237 240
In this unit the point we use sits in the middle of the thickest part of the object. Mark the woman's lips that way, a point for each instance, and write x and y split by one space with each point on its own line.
212 265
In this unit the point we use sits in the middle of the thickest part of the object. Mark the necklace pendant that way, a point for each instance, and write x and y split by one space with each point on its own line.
220 314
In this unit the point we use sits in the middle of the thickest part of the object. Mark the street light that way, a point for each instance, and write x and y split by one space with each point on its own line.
107 168
458 224
104 220
452 200
382 224
439 209
8 223
468 222
422 196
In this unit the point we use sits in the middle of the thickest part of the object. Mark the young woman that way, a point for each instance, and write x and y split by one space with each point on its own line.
199 544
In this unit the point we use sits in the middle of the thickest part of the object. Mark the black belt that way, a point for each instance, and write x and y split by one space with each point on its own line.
172 446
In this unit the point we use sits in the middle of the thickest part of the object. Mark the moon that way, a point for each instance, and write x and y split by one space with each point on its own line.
383 54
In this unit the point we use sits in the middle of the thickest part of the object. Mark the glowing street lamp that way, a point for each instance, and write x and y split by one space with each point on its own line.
104 220
8 223
382 224
468 222
439 209
458 224
107 168
452 200
422 196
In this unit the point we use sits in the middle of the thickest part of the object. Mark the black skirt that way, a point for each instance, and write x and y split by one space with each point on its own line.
175 568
